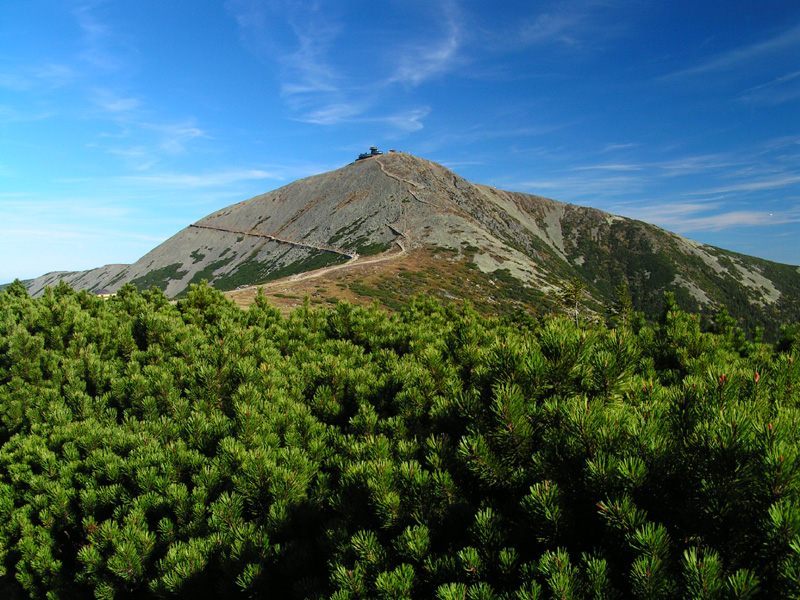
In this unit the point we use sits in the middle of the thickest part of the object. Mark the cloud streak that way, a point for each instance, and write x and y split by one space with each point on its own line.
738 58
684 217
781 89
99 39
322 87
109 101
575 25
431 59
186 180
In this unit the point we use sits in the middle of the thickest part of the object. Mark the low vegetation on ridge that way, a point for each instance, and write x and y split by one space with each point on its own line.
157 450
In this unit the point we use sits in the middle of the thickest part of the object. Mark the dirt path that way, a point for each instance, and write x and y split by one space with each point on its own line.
354 261
407 182
350 255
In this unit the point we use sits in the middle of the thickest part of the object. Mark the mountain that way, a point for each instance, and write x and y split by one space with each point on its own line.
394 225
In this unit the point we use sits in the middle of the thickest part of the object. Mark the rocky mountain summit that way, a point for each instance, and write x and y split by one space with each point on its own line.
392 225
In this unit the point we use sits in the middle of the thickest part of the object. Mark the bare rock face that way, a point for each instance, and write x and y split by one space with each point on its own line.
396 204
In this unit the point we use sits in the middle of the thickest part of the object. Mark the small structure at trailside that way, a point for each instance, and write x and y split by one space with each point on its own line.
104 293
373 151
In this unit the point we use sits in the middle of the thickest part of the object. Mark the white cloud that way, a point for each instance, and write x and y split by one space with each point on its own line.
333 113
153 141
296 38
201 181
408 121
572 188
770 183
307 68
110 101
685 217
55 74
610 167
558 26
687 165
15 82
305 42
429 58
9 114
139 158
175 137
100 42
779 90
572 24
24 78
615 147
738 58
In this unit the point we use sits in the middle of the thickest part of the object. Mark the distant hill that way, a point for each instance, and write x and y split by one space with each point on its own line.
394 225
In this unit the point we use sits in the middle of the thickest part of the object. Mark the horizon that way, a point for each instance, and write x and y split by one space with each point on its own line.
122 124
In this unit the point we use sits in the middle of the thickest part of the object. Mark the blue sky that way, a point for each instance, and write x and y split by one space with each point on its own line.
121 122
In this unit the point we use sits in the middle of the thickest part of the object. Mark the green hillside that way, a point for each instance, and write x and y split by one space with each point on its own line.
197 450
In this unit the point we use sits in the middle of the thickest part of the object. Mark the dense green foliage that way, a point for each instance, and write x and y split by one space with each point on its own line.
604 251
197 450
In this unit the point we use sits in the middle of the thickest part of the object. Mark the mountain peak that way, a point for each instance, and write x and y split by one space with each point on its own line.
387 216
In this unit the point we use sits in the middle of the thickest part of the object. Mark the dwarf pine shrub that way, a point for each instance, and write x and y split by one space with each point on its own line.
152 450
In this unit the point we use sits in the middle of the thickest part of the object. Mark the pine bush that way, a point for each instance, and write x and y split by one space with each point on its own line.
157 450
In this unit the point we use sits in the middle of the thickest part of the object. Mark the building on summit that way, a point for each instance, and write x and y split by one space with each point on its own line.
373 151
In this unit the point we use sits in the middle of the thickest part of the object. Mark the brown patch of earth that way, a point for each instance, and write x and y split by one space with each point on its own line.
395 279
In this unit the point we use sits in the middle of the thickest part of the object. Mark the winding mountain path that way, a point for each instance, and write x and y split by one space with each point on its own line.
356 261
407 182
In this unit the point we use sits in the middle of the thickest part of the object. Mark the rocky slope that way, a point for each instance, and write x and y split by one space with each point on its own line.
386 221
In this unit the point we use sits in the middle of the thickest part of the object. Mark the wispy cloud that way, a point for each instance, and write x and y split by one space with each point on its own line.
67 234
744 187
610 167
151 140
570 24
51 234
185 180
738 58
14 82
307 68
685 217
139 158
560 26
23 79
296 39
486 132
430 58
101 43
616 147
333 113
319 82
576 188
779 90
407 121
50 74
688 165
112 102
59 209
771 183
174 137
9 114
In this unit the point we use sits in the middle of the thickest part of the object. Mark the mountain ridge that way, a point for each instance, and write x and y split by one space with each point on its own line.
526 244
